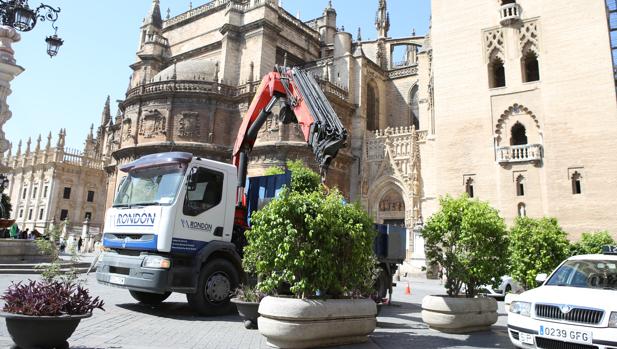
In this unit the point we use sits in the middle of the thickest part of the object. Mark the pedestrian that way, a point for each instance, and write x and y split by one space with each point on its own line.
24 234
14 231
79 243
440 274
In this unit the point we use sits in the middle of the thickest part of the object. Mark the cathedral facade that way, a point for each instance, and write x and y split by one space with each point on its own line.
195 75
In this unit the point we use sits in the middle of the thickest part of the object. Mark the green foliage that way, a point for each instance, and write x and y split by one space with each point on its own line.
5 207
313 242
303 179
592 243
468 239
536 246
52 271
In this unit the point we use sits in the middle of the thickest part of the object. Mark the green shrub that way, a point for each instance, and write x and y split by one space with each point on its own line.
468 239
303 179
592 243
536 246
312 242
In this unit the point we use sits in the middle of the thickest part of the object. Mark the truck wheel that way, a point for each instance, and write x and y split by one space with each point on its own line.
149 298
217 280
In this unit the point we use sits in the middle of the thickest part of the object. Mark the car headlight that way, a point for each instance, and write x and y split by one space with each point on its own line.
521 308
612 321
156 262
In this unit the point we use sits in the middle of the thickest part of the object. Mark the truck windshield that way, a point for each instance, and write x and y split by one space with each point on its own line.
586 274
150 186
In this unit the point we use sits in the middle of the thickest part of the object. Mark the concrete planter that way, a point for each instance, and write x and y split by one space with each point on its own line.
306 323
248 311
42 332
458 314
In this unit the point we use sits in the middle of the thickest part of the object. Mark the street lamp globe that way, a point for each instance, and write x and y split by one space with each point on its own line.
53 45
24 18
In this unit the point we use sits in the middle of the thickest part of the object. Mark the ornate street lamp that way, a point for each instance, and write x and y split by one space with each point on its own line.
17 14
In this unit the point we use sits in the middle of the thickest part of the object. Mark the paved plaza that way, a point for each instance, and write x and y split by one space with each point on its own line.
128 325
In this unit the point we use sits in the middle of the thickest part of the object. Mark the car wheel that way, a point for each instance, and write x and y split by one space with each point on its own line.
149 298
217 280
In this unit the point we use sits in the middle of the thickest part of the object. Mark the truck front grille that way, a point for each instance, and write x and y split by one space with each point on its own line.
546 343
577 315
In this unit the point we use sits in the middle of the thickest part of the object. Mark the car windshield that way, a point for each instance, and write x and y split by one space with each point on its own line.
150 186
586 274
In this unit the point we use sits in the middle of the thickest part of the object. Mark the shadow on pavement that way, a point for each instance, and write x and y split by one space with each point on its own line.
176 310
415 340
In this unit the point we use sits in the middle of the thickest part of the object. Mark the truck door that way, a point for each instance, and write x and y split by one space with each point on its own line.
201 217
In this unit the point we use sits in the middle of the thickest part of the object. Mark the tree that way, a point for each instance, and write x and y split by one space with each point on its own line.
303 179
536 246
592 243
468 239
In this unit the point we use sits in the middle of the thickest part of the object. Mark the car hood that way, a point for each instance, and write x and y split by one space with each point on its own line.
582 297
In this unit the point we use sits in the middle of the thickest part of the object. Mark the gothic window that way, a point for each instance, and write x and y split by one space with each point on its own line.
576 183
469 187
518 134
496 73
41 214
45 191
21 213
522 210
23 195
531 68
30 215
372 107
520 186
34 192
415 110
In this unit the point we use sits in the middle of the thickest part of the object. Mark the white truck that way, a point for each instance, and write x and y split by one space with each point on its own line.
177 223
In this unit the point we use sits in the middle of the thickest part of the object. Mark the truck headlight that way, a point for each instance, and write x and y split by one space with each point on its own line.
521 308
156 262
612 321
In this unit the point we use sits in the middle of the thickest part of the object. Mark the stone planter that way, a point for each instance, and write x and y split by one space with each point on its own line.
307 323
248 312
459 314
41 332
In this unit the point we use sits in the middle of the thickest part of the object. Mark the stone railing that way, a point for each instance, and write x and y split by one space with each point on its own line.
76 157
510 13
192 86
195 12
404 71
519 153
335 89
156 39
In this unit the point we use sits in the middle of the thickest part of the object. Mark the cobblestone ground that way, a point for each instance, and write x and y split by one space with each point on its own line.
128 325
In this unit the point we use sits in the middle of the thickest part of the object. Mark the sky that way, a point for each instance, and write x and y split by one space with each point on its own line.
100 41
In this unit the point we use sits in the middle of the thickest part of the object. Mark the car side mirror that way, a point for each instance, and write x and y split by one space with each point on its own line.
541 278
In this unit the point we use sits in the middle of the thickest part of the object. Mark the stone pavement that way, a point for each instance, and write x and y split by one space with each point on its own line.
128 325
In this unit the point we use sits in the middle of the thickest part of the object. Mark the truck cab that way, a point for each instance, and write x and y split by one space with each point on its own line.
170 229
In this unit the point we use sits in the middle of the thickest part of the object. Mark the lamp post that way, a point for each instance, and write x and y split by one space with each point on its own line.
17 14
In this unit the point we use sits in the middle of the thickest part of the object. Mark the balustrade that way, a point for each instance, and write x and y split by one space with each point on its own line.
519 153
510 13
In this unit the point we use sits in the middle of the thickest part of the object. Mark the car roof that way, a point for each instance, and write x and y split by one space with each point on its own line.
610 257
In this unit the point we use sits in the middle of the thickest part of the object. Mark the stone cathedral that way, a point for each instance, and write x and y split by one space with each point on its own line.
195 75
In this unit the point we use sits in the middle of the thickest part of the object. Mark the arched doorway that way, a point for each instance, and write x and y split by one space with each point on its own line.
392 209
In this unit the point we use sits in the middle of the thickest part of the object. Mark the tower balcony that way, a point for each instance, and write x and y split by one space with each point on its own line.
519 153
510 13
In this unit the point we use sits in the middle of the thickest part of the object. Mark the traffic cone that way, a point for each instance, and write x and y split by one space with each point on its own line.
408 289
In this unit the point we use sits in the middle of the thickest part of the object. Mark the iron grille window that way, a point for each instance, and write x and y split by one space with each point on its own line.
64 214
67 193
90 196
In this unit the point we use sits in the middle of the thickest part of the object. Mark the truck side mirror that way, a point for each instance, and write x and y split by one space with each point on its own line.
190 181
541 278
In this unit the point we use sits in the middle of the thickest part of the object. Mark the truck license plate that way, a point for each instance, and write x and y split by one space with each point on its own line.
566 333
119 280
526 338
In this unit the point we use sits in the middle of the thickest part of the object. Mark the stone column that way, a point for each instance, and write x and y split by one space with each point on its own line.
8 71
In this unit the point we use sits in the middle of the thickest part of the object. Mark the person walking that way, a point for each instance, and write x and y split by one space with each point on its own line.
79 243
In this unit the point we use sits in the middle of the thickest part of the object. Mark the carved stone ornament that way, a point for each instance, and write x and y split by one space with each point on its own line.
153 123
189 124
126 130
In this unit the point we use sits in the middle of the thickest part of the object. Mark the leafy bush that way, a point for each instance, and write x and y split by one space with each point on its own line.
536 246
303 179
468 239
592 243
41 298
312 242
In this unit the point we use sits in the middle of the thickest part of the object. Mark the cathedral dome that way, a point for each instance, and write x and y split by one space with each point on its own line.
193 69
